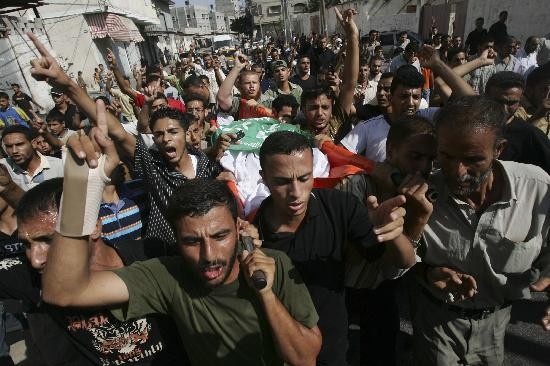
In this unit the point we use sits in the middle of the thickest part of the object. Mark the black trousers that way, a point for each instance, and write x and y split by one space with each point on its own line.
379 322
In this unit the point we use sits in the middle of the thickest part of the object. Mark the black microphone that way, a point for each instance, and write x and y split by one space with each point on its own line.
397 179
258 277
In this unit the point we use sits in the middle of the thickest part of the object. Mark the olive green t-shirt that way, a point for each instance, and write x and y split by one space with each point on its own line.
223 326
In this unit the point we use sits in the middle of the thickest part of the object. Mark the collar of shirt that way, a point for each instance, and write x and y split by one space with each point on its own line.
44 164
279 91
509 193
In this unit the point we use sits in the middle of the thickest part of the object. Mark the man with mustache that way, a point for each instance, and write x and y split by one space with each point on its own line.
485 244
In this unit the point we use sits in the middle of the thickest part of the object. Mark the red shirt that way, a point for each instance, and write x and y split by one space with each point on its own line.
172 103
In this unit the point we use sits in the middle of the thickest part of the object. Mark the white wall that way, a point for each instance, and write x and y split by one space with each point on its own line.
525 17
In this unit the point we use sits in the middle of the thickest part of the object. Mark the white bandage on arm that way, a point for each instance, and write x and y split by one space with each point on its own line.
82 196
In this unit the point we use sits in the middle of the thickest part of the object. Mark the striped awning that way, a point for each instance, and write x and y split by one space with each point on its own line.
115 26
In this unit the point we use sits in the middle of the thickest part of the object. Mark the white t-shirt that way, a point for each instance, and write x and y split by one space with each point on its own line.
370 135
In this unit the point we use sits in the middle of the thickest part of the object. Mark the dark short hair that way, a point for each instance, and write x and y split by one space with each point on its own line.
284 100
303 55
452 52
4 95
160 95
15 84
375 58
204 78
283 142
171 113
313 93
412 47
55 115
387 75
40 199
407 76
538 75
402 33
505 80
503 12
480 18
407 127
192 80
195 96
104 99
485 39
472 112
196 197
17 129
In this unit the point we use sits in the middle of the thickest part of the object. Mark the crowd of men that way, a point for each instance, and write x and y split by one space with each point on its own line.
241 212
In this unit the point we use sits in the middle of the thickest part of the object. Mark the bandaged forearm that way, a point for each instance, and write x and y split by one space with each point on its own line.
82 196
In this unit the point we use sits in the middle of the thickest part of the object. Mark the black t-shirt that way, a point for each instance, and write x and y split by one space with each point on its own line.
526 144
333 219
23 101
310 83
10 245
97 334
473 40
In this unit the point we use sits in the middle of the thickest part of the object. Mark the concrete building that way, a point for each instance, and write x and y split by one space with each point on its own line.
80 31
198 17
227 7
218 23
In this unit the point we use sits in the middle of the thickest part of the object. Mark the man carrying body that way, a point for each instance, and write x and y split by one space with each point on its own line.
485 242
313 226
221 317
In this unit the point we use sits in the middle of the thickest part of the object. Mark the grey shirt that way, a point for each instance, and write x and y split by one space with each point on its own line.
49 168
505 248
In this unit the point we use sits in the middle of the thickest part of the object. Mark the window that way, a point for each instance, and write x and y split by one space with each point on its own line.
274 10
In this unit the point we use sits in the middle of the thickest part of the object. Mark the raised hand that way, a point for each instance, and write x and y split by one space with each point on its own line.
346 21
487 57
111 59
241 61
151 91
89 148
38 123
46 67
428 56
458 286
387 217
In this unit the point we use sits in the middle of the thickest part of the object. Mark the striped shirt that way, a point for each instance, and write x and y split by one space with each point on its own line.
121 220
